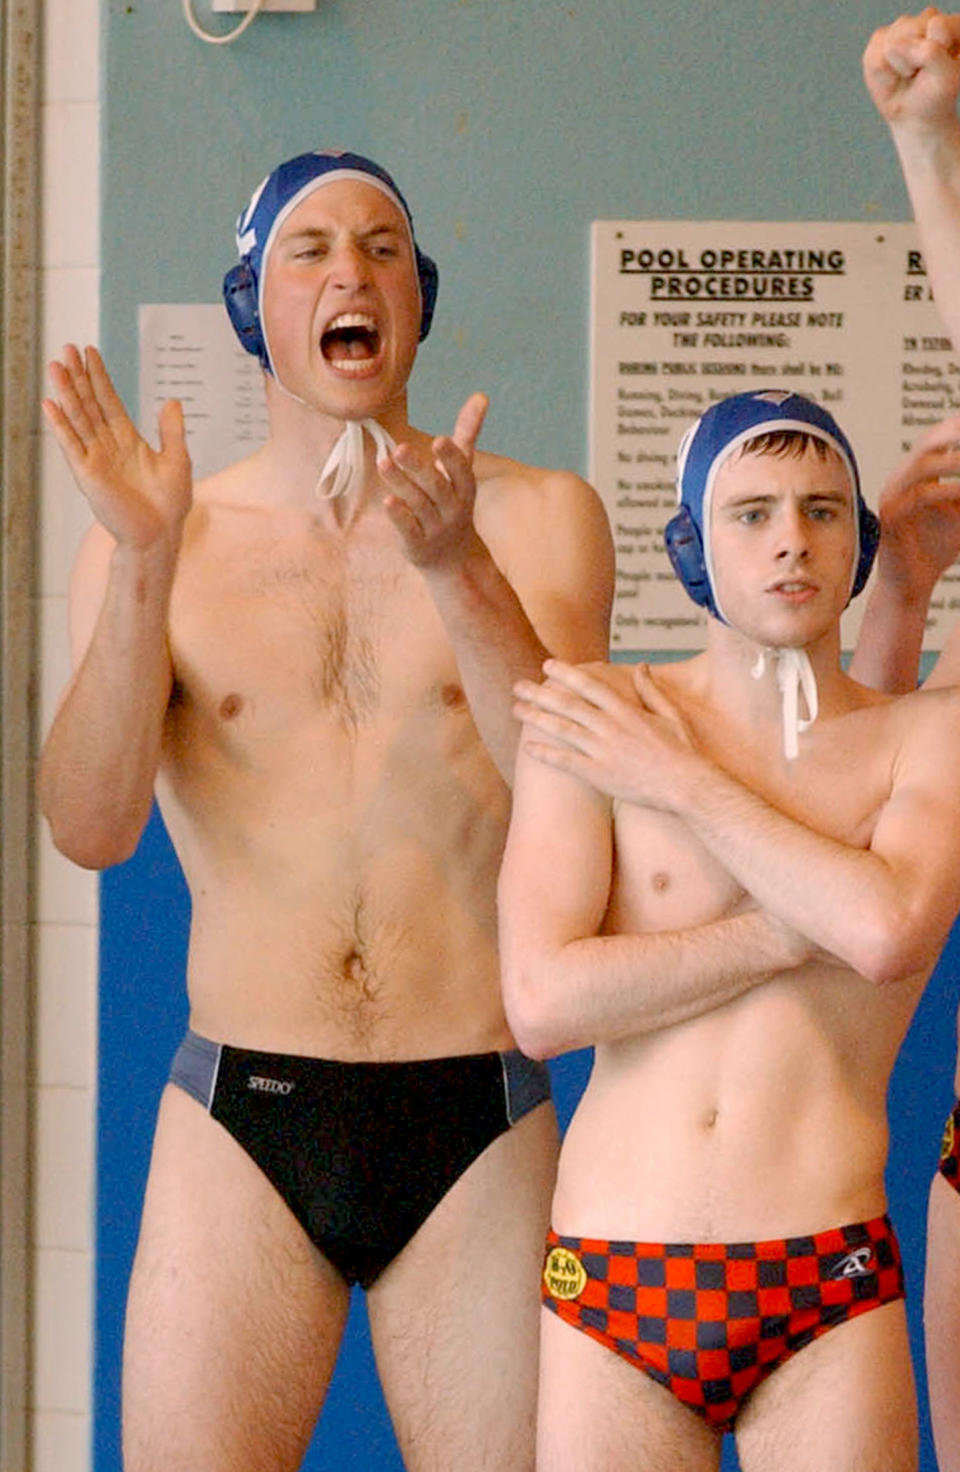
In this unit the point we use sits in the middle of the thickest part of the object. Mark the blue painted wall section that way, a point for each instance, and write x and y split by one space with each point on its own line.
511 125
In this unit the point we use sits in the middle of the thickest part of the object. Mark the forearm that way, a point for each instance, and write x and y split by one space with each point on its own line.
100 758
848 901
604 988
494 643
887 656
930 158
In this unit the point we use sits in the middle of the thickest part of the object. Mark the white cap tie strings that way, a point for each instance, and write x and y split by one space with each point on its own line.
344 465
794 673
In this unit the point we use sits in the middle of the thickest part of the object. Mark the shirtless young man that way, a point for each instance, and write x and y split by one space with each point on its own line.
319 686
912 70
733 875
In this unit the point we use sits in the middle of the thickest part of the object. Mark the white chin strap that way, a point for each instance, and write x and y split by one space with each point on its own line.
344 465
794 674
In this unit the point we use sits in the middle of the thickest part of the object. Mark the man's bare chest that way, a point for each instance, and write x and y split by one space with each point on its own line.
283 635
666 876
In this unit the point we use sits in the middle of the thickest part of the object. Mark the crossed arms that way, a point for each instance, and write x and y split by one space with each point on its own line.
883 911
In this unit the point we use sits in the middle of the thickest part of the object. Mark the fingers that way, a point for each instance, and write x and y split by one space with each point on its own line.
910 66
570 703
554 708
650 693
944 30
108 401
172 430
562 758
930 468
908 55
579 680
430 501
453 454
63 431
418 492
429 497
74 415
469 423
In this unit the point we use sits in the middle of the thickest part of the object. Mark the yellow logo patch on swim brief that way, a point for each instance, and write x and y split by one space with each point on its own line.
564 1273
949 1139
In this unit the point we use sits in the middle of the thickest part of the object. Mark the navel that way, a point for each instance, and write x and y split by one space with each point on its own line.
354 968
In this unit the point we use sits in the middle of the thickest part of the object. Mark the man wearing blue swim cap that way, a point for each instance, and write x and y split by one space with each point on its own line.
310 656
733 875
912 70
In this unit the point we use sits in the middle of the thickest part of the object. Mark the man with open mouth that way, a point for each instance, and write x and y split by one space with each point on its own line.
309 656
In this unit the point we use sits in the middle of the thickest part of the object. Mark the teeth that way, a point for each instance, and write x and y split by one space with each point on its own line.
353 365
352 319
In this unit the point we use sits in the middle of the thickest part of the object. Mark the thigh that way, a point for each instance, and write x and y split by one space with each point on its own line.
941 1314
600 1414
233 1317
846 1401
454 1317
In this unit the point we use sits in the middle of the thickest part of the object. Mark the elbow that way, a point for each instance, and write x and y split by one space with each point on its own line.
528 1019
893 949
88 852
92 830
92 845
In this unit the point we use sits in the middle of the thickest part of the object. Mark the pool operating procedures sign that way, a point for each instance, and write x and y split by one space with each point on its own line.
685 313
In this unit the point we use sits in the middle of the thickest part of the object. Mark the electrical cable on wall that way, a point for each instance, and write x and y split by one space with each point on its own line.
212 40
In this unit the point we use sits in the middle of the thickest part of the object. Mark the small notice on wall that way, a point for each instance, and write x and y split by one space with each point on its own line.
189 352
685 313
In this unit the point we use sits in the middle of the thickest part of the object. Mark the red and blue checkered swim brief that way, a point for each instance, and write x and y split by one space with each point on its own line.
950 1149
711 1321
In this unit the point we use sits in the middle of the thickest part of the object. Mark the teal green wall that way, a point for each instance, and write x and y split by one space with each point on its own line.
511 125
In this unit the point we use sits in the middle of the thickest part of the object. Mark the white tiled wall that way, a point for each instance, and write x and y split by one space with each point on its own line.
65 1057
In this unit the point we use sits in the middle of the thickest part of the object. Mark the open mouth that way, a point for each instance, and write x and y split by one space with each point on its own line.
351 342
794 589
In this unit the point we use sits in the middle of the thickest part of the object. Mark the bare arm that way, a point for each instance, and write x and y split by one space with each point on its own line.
920 519
566 986
884 910
912 71
537 585
100 758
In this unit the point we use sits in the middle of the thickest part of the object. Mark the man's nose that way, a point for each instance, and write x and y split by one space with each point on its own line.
349 267
793 539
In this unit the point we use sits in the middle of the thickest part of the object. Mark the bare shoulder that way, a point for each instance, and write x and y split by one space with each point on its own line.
926 709
236 484
927 734
931 705
510 492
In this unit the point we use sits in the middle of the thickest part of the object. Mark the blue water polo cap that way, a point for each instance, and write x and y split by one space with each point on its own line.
719 433
272 201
